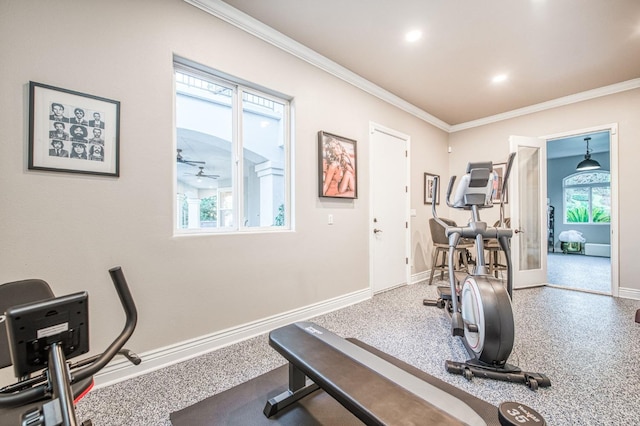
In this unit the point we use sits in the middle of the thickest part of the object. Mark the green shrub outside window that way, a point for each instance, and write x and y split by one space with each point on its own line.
587 197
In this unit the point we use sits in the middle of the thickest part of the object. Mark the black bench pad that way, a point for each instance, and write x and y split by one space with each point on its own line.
373 389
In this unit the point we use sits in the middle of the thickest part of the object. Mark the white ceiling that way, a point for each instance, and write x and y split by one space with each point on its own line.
548 48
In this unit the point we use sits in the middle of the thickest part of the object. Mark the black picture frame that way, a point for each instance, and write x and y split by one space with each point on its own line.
428 189
337 161
73 132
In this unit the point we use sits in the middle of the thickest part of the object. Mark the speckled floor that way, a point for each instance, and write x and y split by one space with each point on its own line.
588 345
578 271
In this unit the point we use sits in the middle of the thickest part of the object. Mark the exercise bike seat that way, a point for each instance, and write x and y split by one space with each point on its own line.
13 294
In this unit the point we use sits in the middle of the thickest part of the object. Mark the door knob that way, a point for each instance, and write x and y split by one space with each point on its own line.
376 230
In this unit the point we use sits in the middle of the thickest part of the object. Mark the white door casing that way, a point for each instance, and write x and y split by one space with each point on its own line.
612 128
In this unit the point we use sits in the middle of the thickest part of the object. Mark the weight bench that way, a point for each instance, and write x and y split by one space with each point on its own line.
373 389
377 388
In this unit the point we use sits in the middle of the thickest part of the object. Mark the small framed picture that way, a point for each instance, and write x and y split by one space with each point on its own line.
73 132
496 193
337 159
429 196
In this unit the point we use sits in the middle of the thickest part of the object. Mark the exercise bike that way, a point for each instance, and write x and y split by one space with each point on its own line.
480 307
42 333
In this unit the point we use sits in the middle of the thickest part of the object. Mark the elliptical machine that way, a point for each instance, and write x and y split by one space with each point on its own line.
480 307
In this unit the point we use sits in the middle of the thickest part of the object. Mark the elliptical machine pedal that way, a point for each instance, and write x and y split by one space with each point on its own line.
507 373
444 299
444 296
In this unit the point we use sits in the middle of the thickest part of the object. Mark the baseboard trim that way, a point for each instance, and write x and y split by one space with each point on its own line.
629 293
420 276
579 290
122 369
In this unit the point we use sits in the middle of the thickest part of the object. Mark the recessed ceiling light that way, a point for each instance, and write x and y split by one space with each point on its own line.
499 78
413 35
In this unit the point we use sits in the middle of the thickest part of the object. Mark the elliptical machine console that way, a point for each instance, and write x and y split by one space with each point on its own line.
480 307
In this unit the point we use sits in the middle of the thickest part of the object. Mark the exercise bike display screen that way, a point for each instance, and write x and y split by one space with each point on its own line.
34 327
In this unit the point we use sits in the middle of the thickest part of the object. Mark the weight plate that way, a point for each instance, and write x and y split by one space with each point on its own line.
513 413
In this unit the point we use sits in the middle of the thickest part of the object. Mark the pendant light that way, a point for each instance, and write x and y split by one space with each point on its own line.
588 163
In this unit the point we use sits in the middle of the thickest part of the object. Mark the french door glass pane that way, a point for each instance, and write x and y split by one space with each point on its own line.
529 188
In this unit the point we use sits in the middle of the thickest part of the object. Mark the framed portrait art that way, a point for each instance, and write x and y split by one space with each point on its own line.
496 193
429 196
73 132
337 158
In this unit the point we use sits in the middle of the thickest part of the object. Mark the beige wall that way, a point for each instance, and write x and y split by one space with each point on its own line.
491 142
69 229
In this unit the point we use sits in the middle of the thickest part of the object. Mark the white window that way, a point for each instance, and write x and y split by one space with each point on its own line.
232 157
587 197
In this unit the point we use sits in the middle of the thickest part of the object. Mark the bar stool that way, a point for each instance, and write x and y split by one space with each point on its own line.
492 247
441 249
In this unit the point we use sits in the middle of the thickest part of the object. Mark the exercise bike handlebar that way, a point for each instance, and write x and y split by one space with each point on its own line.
25 395
126 300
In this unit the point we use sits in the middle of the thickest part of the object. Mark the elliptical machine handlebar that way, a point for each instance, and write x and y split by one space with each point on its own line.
452 180
505 186
436 185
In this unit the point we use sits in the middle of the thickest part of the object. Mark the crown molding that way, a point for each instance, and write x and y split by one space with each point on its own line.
555 103
241 20
256 28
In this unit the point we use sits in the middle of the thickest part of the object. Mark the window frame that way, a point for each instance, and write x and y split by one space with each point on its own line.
590 187
239 88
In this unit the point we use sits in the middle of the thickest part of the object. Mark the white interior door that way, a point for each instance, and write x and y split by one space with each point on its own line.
527 197
389 213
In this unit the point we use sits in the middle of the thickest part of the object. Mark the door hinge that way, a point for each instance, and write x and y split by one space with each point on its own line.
406 225
406 260
406 189
406 153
